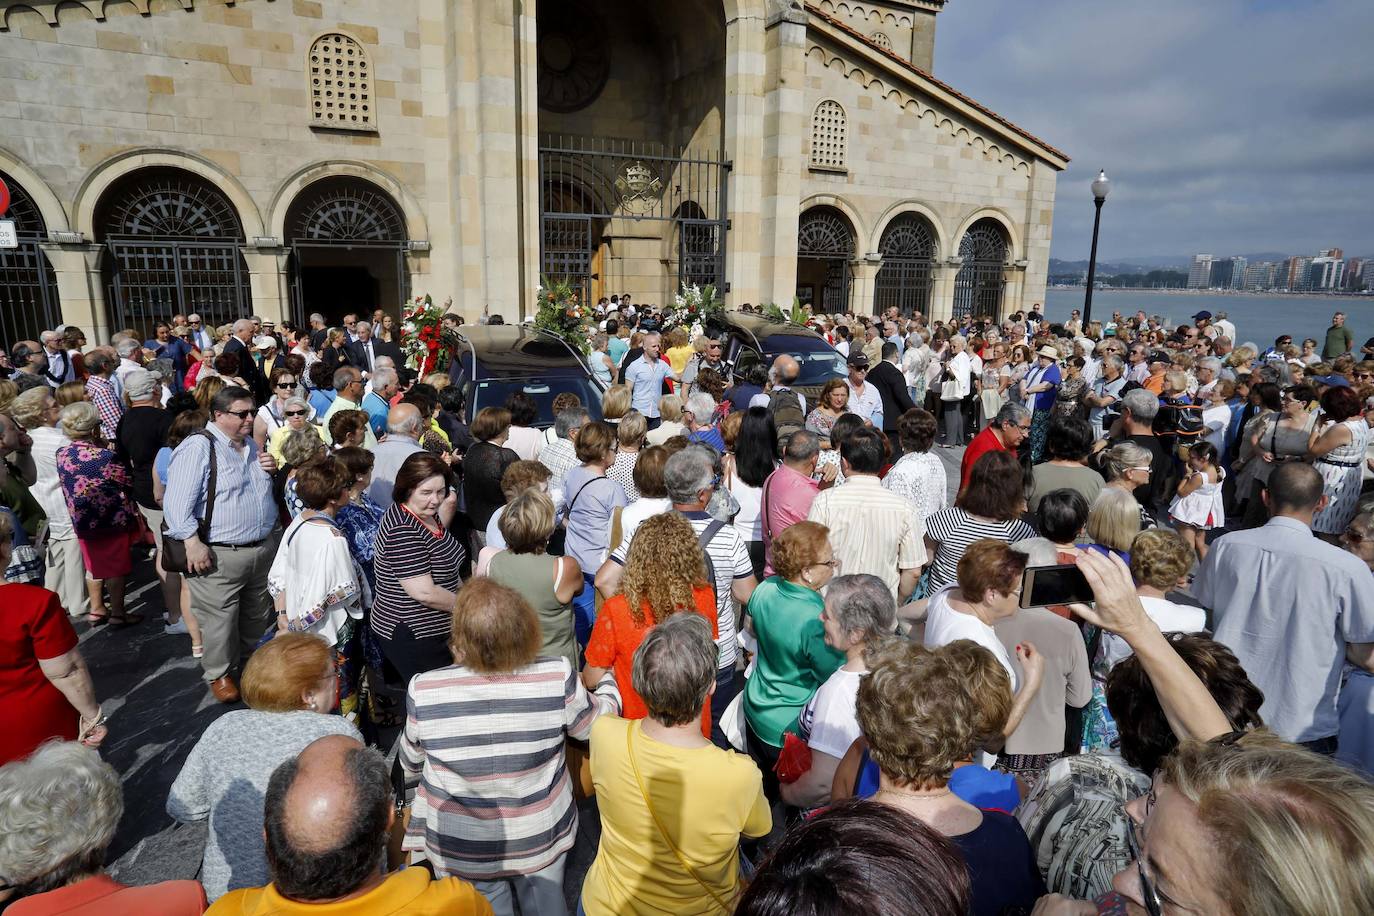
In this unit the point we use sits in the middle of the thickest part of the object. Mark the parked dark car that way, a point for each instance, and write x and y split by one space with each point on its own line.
498 360
751 339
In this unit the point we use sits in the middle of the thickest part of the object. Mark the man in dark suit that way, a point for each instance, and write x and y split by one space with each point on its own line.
364 351
241 345
891 385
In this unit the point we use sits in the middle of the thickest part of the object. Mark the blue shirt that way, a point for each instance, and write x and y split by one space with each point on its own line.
321 398
616 348
1044 400
977 785
711 436
376 408
591 500
245 511
646 384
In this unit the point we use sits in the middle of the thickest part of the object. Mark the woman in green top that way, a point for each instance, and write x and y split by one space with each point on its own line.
547 583
793 658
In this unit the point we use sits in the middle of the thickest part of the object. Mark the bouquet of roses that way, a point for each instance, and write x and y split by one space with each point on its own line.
428 345
562 312
698 307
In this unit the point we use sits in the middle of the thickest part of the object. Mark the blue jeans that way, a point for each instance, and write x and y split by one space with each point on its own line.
584 610
725 692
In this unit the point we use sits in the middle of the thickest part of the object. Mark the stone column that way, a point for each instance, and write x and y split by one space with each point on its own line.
1013 288
267 280
784 130
746 61
80 288
942 289
865 273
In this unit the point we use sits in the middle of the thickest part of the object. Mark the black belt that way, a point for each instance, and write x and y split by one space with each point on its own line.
251 544
1339 464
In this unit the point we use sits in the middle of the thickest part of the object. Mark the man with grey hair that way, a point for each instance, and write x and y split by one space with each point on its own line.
361 352
59 369
859 615
645 377
691 477
1104 394
319 331
1208 372
560 455
403 426
1138 409
130 353
697 414
348 388
789 491
377 402
1006 432
241 345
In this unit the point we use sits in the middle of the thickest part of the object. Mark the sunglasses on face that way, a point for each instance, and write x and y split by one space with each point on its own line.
295 413
286 384
241 414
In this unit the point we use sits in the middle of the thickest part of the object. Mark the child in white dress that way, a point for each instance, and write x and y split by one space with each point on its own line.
1198 507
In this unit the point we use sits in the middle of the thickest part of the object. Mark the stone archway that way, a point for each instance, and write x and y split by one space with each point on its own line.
825 250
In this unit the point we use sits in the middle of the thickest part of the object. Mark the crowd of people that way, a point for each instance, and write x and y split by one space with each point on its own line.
790 657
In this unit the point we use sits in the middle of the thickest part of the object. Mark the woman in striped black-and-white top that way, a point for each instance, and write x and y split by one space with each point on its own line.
989 507
485 739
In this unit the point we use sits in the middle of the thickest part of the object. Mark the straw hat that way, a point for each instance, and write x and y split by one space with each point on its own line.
1048 352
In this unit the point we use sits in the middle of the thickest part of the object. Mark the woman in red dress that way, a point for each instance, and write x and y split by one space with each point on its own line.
45 688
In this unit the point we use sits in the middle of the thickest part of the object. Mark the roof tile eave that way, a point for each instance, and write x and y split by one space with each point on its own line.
908 65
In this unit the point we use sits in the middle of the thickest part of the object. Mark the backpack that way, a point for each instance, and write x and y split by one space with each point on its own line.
785 408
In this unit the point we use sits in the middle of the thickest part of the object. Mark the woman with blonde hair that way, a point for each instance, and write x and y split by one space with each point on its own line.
206 389
615 403
630 435
548 583
508 742
1113 522
290 687
70 393
677 349
665 574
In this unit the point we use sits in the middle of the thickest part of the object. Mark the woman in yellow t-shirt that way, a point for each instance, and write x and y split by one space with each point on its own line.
678 350
673 805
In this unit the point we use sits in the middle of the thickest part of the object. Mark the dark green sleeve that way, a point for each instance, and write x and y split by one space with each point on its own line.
21 502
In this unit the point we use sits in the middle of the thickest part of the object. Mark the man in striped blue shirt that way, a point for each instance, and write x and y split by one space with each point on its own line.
230 557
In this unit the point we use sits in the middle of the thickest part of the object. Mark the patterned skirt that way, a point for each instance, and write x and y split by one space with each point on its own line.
1040 426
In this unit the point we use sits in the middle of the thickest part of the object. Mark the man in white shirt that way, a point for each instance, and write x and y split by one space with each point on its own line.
864 400
130 358
59 370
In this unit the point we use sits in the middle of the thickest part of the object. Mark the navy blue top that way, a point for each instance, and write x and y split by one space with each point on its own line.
1001 866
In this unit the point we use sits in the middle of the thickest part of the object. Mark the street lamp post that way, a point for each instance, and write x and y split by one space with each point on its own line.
1101 187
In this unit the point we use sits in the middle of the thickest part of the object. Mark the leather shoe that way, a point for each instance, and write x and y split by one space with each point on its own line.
225 690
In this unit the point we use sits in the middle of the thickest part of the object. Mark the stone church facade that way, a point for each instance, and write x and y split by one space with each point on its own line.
279 157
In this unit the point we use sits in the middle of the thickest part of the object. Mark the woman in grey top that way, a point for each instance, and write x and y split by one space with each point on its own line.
291 688
548 583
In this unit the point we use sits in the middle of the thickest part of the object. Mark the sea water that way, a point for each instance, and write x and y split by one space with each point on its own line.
1258 318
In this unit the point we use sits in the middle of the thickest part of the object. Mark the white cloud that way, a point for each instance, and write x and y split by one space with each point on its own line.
1226 125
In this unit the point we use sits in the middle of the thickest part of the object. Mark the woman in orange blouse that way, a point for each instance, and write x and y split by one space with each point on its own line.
665 573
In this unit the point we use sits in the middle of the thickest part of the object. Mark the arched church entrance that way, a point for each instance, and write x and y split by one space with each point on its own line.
28 284
633 180
347 239
908 268
980 283
172 243
825 247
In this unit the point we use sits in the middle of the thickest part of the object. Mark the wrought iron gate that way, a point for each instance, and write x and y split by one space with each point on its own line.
584 183
906 275
980 282
825 235
28 284
172 241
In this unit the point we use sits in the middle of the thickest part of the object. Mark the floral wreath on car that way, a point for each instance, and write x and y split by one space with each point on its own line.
428 345
562 312
698 308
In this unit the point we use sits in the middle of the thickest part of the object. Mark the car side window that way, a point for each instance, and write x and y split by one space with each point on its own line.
744 359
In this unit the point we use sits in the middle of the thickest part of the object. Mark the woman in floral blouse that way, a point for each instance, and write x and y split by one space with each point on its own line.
359 520
98 489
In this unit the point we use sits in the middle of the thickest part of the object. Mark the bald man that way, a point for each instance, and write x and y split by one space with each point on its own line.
403 427
787 407
329 813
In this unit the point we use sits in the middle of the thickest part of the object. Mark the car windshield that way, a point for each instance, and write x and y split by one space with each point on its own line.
819 362
493 393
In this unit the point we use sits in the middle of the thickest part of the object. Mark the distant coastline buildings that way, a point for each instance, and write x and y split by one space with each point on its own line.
1328 271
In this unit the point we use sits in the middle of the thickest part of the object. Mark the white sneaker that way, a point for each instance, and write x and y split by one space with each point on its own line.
176 629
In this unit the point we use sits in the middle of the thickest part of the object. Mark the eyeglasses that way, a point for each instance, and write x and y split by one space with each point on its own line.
286 384
295 413
1149 893
241 414
833 563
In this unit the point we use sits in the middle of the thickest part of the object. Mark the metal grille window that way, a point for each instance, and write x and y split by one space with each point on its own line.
978 287
829 128
825 235
173 247
28 284
345 210
340 84
905 278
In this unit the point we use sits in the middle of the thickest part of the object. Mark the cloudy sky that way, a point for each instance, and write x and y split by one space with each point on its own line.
1226 126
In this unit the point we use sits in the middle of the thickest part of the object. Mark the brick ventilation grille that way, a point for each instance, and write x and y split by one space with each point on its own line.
340 84
881 40
828 129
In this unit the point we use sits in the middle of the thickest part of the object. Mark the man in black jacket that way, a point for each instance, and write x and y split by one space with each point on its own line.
891 385
241 345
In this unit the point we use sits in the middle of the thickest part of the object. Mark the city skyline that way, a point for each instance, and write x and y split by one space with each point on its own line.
1237 125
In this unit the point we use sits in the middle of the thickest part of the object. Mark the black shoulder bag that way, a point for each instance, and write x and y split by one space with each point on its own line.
174 550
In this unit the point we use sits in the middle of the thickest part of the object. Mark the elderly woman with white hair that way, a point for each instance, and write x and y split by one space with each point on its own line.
58 814
296 414
859 614
98 488
37 412
957 384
